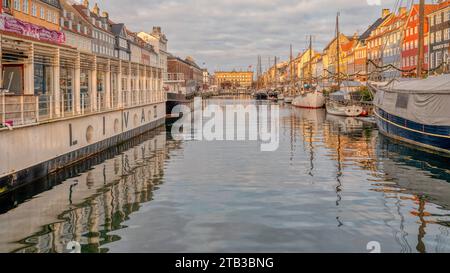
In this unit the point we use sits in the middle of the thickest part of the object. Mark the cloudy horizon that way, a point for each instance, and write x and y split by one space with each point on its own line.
230 34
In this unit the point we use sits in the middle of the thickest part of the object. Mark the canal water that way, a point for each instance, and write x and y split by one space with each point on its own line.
333 185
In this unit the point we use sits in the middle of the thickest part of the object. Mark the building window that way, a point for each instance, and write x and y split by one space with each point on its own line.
438 58
438 36
42 13
447 34
17 5
33 10
432 60
25 6
438 19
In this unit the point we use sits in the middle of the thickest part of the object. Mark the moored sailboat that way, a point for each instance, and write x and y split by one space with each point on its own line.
341 102
310 97
415 111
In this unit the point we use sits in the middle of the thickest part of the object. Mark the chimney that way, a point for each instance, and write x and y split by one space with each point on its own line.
157 30
86 3
402 10
385 12
96 10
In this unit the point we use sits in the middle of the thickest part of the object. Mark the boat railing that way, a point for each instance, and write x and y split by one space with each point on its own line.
19 110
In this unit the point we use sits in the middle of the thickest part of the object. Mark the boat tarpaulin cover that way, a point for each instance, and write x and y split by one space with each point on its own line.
425 101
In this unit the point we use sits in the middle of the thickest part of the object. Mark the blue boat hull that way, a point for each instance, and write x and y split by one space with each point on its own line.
427 136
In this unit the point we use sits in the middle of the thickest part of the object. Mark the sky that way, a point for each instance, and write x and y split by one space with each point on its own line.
230 34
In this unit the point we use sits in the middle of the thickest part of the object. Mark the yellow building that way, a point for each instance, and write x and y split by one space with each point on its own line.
301 61
330 54
234 79
44 13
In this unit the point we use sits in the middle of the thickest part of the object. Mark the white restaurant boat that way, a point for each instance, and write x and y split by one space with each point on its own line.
61 103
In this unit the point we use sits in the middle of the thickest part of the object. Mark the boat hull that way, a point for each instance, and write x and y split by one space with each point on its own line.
435 138
32 152
344 111
288 99
310 100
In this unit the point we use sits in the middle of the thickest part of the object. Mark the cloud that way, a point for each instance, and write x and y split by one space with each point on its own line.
227 34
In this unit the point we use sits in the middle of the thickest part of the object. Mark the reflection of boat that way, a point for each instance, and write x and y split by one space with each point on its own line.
316 116
347 125
416 111
424 174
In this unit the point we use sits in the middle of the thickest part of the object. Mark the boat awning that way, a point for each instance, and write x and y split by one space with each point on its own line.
431 85
423 101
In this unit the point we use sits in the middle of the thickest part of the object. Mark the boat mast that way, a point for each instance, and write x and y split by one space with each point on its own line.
276 73
338 49
310 60
291 74
421 38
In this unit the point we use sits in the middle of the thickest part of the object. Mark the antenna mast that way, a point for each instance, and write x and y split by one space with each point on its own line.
421 38
338 53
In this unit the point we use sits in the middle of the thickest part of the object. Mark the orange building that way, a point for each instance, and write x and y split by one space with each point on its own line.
44 13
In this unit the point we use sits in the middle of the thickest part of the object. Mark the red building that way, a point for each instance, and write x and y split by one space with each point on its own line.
410 45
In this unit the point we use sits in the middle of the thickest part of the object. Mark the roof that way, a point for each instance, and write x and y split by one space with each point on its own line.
348 46
374 26
331 42
53 3
80 8
193 64
443 5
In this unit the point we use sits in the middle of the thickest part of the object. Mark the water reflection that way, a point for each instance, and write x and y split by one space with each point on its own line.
86 207
334 185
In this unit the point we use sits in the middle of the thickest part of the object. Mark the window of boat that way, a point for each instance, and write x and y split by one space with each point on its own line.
402 101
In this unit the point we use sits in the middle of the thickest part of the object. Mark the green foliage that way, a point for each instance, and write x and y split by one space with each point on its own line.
365 93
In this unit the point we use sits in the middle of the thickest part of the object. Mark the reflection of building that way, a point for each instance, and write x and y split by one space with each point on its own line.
234 79
103 195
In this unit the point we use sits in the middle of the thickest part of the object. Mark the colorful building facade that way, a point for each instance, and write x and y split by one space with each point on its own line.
410 46
439 37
